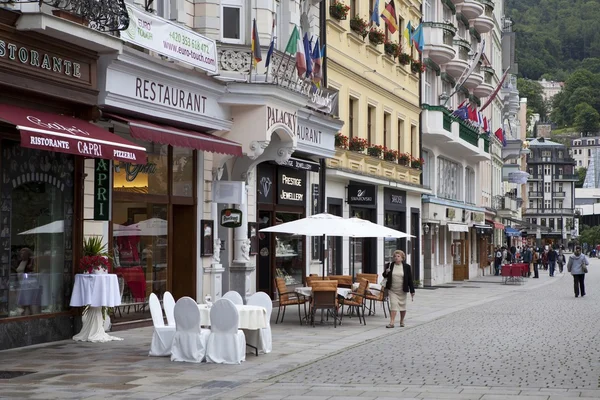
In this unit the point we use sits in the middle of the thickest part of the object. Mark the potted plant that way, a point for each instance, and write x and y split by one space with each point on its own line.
417 66
404 58
360 26
404 158
417 163
338 10
375 150
341 140
376 36
357 144
390 154
95 260
391 49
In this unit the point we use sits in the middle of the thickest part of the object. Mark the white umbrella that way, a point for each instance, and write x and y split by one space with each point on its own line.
332 225
152 227
126 230
52 227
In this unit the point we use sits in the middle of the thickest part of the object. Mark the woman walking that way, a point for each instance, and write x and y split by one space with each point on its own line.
399 283
577 266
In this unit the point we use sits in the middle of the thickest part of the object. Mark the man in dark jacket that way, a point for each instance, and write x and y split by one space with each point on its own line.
552 256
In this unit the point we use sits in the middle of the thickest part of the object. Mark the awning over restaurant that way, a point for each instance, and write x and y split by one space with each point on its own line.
164 134
482 227
458 228
496 225
61 133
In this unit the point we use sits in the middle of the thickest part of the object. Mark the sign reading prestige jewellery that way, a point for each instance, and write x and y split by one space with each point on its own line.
291 186
171 40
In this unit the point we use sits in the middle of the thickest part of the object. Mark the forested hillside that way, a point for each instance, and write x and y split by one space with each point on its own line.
554 37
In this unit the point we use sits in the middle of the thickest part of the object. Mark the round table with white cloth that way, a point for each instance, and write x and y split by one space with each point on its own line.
307 291
97 291
251 317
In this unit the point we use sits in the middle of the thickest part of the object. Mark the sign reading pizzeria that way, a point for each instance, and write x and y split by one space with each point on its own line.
291 186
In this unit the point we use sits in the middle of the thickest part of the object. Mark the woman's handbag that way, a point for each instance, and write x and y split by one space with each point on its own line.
584 268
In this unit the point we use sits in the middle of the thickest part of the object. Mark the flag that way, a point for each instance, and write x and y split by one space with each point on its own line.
496 91
408 34
462 104
479 119
296 47
473 114
462 112
375 14
485 125
418 39
256 51
389 16
307 56
272 45
500 135
317 56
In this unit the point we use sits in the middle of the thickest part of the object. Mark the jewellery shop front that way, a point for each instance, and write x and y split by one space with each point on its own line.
48 92
157 206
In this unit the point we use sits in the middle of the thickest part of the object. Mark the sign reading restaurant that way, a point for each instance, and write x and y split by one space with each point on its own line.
169 96
170 40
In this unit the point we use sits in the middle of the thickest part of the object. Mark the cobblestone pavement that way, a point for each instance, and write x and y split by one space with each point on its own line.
473 340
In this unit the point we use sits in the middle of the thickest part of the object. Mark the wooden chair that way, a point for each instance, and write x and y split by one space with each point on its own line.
344 281
372 278
324 297
357 301
374 296
310 279
287 298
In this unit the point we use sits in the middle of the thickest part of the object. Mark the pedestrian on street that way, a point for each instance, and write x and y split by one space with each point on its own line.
577 266
497 261
527 258
561 261
536 263
399 283
545 259
552 257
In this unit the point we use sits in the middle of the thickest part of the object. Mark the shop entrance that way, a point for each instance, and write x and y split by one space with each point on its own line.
459 255
183 252
363 251
334 256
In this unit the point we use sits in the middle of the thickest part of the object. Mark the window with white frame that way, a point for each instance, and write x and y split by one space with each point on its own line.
449 179
470 186
547 187
232 21
447 89
547 169
428 10
547 204
559 204
428 92
427 168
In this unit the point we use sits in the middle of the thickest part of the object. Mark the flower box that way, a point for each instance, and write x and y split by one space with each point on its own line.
376 36
359 26
391 49
357 144
404 59
338 10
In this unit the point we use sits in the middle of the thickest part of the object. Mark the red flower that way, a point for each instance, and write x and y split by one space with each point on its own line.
90 263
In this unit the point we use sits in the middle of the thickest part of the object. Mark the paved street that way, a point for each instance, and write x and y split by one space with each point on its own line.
473 340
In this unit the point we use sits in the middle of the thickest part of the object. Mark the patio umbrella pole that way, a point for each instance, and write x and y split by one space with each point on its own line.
324 253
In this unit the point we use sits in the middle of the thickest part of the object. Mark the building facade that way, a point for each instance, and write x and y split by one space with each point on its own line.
583 150
550 191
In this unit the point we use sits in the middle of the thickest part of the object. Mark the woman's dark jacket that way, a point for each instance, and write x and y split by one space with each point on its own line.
408 278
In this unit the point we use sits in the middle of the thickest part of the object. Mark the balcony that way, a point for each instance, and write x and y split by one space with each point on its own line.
535 177
487 87
352 161
460 62
471 9
559 195
512 150
550 160
533 195
485 22
508 207
439 38
457 2
566 177
460 140
475 79
550 211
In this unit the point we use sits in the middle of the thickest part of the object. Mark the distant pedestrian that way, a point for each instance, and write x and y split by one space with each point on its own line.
577 266
497 261
513 254
552 257
399 283
527 259
536 263
561 261
545 259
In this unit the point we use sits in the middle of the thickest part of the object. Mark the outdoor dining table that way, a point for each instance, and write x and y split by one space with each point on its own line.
251 317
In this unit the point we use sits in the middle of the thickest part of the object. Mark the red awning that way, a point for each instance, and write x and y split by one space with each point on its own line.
179 137
497 225
54 132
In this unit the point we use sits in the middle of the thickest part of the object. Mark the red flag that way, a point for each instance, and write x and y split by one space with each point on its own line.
499 134
473 114
485 124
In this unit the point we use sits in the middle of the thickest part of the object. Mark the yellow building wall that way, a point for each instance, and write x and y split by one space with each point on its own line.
364 72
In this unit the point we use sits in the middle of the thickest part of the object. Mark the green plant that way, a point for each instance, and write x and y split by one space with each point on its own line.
376 36
357 144
375 150
417 163
341 141
390 154
417 283
92 246
391 49
404 58
360 26
338 10
404 158
417 66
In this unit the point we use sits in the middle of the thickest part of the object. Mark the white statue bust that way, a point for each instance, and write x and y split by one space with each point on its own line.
217 250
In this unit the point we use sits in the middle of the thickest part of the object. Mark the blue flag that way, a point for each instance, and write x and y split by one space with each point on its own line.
308 56
461 112
375 14
271 46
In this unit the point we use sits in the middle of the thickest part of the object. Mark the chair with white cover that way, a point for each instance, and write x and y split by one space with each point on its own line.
169 306
226 343
162 338
234 297
261 338
189 343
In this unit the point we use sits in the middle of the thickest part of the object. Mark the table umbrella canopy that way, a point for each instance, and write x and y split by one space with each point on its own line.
331 225
52 227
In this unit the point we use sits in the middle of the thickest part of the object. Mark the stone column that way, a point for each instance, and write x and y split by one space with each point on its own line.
241 268
428 260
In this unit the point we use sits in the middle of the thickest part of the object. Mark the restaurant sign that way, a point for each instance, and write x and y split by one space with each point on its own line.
101 190
170 40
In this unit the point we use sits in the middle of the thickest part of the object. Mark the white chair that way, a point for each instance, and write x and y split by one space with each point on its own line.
226 343
234 297
169 306
162 338
189 343
261 338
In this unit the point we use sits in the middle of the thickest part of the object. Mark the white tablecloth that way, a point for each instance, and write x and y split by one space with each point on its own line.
307 291
251 317
375 286
96 290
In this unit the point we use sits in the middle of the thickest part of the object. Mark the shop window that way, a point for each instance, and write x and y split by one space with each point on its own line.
183 171
289 259
232 21
36 220
449 179
149 178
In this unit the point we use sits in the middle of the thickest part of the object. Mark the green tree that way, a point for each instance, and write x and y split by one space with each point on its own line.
534 93
590 235
581 173
587 118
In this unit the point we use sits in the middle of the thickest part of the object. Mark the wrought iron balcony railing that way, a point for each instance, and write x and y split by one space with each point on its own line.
101 15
